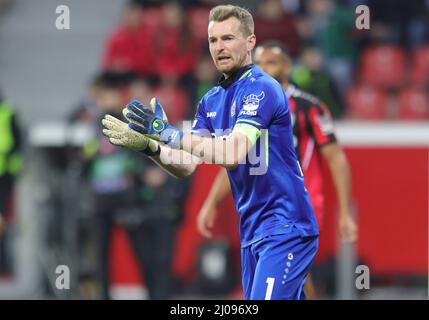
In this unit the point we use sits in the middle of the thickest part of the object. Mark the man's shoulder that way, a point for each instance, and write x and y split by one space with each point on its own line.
304 99
261 78
213 92
260 81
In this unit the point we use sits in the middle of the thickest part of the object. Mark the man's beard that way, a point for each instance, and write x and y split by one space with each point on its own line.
234 68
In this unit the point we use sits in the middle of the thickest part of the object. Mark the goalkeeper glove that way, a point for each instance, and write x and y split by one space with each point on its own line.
121 135
153 122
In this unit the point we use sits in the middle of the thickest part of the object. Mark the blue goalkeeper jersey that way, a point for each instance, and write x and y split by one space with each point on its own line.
268 188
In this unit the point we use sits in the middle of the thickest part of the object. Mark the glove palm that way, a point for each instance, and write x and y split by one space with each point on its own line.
121 135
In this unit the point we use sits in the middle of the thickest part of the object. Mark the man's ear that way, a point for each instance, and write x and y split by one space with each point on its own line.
251 42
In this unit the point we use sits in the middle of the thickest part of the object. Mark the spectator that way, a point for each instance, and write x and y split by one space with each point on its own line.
128 192
10 165
331 28
407 21
174 46
205 75
88 111
129 47
140 89
311 77
170 94
162 203
271 23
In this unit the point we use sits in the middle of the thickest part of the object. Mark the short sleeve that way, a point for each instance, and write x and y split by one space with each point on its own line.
258 105
322 124
199 125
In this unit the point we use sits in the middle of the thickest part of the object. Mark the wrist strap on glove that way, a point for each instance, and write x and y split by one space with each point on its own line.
171 136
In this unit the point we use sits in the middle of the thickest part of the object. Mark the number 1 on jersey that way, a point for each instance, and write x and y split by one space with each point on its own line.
270 286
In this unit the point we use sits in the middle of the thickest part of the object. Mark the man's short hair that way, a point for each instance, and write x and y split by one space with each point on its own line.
223 12
277 46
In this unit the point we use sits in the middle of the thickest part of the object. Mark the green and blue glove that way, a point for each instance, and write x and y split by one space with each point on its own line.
152 122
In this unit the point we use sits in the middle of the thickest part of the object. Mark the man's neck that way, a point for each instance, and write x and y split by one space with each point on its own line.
227 75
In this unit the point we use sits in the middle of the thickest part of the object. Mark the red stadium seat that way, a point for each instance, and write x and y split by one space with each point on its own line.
413 104
366 103
420 66
383 66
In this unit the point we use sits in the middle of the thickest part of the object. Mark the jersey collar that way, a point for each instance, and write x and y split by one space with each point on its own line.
236 75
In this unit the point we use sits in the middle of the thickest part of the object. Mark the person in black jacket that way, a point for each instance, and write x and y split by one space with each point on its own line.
136 194
10 165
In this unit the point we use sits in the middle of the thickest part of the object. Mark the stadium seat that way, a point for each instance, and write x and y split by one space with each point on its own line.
383 66
413 104
420 66
366 103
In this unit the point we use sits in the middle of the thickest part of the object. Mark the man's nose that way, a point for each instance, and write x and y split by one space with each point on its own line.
220 46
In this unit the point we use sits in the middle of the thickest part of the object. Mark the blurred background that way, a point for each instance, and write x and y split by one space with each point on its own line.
126 230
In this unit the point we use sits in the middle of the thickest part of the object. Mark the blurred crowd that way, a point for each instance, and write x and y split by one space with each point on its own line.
380 73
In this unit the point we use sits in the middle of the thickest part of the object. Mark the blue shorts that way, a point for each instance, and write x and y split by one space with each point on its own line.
276 267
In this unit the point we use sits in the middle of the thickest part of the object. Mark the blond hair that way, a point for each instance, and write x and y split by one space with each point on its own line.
223 12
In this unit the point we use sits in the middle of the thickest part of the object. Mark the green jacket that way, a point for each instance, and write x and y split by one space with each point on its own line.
10 159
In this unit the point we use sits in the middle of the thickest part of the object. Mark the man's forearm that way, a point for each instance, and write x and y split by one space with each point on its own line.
227 153
220 188
340 171
177 163
342 179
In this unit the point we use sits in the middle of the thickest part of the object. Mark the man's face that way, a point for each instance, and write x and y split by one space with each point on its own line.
229 48
109 100
272 62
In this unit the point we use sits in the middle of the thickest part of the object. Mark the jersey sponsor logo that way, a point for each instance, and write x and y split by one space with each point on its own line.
211 114
326 124
251 101
248 113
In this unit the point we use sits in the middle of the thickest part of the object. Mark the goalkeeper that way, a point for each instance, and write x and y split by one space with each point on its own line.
246 114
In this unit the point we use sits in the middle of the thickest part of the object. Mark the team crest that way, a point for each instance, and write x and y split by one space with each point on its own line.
251 102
